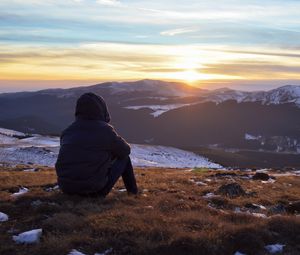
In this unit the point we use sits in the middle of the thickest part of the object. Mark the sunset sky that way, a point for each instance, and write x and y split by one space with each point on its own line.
249 44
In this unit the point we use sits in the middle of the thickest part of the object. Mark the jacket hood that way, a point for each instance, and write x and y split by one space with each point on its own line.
92 107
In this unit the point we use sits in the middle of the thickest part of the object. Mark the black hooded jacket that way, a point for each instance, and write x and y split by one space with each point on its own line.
87 148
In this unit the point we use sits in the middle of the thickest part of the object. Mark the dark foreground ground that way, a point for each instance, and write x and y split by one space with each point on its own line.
249 158
171 216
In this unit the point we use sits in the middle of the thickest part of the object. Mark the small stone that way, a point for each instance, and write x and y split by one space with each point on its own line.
149 207
261 176
252 206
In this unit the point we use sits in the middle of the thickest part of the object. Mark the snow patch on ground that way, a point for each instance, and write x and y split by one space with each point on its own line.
4 139
76 252
210 195
43 150
29 237
9 132
43 141
274 248
162 156
250 137
3 217
239 253
21 192
158 109
269 181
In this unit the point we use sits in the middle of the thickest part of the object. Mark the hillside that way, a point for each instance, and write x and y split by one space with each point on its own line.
170 114
178 212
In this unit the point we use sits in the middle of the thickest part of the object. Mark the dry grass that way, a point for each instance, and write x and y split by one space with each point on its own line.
170 217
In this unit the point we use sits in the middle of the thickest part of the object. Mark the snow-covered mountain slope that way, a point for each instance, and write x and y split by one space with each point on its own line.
155 89
161 88
282 95
43 150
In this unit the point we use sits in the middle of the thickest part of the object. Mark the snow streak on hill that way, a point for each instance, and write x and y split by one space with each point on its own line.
43 150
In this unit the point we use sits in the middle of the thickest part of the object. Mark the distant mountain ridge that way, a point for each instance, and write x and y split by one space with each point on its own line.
160 89
169 113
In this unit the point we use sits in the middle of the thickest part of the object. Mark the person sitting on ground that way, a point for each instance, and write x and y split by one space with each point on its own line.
92 155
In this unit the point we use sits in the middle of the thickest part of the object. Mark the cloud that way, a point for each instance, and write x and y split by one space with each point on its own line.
178 31
254 70
109 2
264 52
120 61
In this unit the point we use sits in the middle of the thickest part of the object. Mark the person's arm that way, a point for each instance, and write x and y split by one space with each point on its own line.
120 148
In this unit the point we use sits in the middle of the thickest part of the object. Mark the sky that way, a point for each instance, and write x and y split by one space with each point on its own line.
247 45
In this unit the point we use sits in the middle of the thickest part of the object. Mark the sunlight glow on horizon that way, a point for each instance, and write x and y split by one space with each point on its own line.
202 43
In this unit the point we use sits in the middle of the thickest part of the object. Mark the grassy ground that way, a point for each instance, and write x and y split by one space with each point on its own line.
170 217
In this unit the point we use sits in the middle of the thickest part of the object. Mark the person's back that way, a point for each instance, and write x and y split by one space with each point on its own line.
88 148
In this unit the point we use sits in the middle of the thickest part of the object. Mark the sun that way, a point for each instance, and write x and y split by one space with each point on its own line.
190 75
190 67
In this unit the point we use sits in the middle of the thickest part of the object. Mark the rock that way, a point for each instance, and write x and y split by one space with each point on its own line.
261 176
277 209
225 174
21 192
252 206
293 207
219 202
231 190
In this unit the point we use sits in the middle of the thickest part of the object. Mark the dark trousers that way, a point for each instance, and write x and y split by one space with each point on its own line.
121 167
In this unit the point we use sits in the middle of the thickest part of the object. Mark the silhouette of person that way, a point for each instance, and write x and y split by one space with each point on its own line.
92 155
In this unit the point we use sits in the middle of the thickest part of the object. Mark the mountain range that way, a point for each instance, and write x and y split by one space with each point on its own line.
170 113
